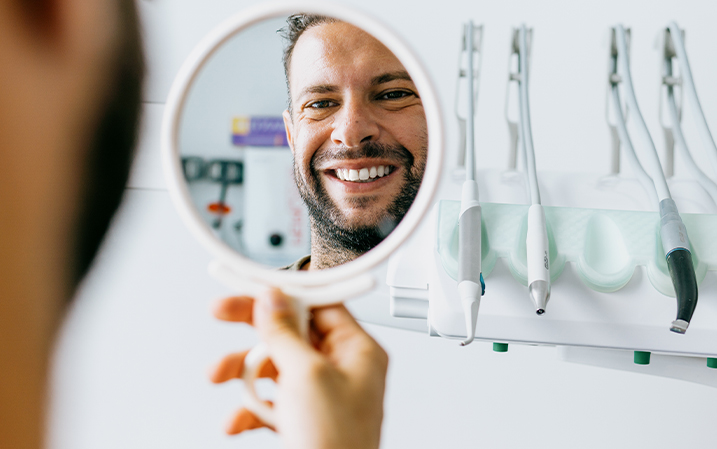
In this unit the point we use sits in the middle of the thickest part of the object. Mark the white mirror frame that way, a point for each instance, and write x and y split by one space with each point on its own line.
177 185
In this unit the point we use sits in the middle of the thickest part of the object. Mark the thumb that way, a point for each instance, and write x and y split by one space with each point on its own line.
277 321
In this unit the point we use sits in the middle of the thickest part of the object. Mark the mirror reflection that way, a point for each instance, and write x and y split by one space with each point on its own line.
303 142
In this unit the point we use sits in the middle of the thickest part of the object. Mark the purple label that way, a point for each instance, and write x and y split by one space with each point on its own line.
259 131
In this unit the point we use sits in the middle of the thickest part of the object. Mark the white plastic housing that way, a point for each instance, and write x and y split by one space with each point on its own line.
537 245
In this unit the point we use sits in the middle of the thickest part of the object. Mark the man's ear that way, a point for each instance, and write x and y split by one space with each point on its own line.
288 125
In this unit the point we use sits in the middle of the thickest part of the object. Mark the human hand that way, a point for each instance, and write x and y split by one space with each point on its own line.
329 390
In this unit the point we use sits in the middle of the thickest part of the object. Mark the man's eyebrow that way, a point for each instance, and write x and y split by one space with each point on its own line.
319 89
380 79
391 76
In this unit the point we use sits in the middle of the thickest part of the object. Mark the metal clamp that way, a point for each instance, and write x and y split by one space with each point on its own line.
613 79
672 91
512 95
461 102
667 90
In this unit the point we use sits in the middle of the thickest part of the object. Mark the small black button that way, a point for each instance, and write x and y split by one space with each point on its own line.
275 239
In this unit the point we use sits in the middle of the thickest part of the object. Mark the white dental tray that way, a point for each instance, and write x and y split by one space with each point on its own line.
609 288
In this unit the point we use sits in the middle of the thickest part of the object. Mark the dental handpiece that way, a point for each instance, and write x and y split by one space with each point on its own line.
673 233
538 256
470 278
679 263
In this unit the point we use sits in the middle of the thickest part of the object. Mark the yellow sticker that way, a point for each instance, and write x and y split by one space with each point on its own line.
241 125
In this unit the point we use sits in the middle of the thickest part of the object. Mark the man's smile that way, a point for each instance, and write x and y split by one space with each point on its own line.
364 174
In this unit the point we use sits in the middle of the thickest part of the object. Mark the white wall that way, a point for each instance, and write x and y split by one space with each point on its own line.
245 77
131 364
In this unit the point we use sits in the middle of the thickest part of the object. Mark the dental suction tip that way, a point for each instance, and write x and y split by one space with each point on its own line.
540 294
469 340
470 309
679 326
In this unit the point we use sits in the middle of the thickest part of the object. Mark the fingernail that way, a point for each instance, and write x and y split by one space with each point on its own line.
279 303
218 308
212 373
275 301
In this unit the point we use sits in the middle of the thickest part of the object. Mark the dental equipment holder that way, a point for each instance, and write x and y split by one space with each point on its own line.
613 289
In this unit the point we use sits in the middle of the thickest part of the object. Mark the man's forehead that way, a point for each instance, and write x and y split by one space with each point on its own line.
337 51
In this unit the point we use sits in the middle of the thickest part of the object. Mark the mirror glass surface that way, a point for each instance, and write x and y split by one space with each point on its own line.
328 166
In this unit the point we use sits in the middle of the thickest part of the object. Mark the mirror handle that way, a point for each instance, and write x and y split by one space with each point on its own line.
309 296
256 358
253 363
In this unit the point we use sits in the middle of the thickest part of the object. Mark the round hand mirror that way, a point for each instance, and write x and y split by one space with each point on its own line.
302 144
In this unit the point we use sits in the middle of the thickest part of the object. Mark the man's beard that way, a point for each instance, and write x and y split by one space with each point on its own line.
328 222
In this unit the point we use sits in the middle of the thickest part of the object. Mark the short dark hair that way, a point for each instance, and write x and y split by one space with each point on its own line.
295 26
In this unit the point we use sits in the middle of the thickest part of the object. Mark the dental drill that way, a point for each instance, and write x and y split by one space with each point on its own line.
538 255
470 278
672 230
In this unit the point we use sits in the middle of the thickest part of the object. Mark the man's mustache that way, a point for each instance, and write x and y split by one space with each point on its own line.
369 150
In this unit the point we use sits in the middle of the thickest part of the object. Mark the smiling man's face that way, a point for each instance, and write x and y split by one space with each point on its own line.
357 129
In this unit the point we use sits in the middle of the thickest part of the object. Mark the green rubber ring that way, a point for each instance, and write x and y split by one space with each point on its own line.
500 347
642 358
712 363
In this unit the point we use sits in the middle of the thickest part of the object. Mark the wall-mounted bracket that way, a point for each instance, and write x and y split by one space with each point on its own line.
512 94
613 79
673 89
461 101
669 80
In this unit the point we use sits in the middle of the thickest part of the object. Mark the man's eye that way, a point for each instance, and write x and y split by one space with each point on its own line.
395 95
321 104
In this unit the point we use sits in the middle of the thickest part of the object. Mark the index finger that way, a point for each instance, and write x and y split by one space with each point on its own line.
330 318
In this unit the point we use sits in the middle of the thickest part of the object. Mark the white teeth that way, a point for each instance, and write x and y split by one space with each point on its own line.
364 174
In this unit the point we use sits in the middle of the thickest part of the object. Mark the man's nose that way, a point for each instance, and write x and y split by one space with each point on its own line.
354 125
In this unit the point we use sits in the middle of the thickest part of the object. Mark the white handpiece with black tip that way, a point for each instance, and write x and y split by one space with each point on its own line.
537 245
538 258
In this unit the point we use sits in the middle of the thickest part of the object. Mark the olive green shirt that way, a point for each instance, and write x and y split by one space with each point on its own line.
296 266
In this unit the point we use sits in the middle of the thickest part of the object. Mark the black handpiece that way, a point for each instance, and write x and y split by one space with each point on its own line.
682 272
676 245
